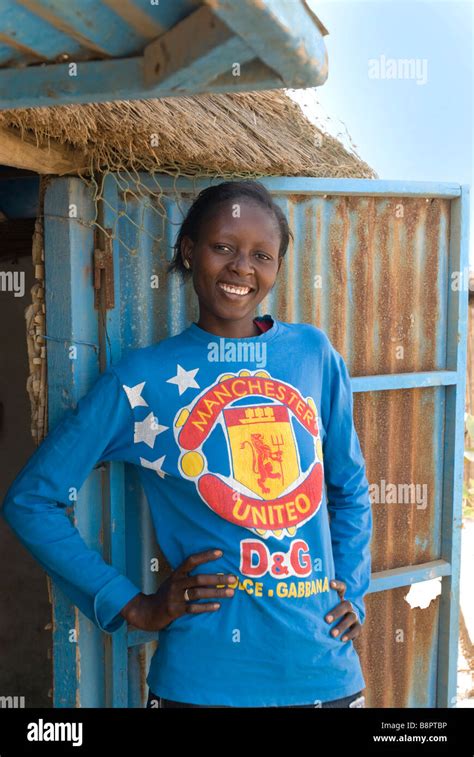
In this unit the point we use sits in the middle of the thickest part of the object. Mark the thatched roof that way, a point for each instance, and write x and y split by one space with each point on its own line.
257 133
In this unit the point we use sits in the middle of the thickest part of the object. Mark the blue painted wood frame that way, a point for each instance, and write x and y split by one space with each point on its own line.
453 464
71 322
275 46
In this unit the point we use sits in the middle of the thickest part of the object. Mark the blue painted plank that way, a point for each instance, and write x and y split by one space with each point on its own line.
453 465
77 664
34 33
385 580
421 379
9 55
164 14
382 581
274 44
102 81
284 36
363 187
320 186
207 50
91 23
114 528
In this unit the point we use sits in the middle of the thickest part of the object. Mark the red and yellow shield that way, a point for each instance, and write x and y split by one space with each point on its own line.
263 448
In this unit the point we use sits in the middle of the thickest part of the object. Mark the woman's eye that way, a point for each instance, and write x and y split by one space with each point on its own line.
226 248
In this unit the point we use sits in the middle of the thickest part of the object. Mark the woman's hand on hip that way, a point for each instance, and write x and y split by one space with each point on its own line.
153 612
349 627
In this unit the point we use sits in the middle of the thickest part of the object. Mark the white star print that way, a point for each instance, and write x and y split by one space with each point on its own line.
184 379
148 429
155 465
134 395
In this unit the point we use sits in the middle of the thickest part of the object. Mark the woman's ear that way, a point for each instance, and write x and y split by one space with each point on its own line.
186 249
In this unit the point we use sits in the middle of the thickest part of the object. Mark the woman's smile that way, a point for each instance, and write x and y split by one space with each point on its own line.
234 291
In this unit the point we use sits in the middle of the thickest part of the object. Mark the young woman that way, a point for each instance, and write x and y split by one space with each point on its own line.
242 430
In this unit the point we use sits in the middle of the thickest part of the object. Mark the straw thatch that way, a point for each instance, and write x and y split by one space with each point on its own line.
253 133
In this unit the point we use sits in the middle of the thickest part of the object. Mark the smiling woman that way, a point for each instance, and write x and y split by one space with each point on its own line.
232 243
253 473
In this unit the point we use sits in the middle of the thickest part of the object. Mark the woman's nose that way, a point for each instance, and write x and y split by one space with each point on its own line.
242 262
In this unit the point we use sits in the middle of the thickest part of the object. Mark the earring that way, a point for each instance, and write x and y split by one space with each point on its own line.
186 264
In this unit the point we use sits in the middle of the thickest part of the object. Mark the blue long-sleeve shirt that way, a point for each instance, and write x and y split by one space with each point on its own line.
245 445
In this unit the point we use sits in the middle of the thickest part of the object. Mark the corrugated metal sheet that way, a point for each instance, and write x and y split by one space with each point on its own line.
371 265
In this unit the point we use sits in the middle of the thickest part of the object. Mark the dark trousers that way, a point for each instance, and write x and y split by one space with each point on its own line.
353 700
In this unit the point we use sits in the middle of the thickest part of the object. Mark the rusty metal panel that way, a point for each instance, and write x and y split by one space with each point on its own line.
402 439
372 273
398 651
401 434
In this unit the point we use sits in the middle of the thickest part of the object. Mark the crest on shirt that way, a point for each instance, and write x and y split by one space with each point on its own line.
267 490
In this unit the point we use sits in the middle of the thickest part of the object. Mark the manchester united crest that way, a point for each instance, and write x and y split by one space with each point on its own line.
267 491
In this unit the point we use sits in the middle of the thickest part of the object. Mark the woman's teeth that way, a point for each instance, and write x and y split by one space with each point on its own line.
234 290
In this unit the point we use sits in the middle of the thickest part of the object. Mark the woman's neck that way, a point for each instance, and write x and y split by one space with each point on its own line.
238 329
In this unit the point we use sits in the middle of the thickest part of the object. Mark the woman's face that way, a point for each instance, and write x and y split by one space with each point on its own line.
238 247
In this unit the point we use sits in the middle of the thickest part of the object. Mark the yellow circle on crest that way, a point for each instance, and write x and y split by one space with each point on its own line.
319 449
192 464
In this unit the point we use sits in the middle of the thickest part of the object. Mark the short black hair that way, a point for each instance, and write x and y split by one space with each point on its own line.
208 198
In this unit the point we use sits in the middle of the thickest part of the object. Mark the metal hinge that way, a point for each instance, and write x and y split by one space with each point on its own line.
104 272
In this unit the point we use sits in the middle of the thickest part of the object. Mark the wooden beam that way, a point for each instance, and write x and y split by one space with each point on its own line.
108 80
193 53
286 36
275 43
54 159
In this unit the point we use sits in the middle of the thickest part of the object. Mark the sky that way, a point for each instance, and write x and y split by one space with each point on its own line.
413 127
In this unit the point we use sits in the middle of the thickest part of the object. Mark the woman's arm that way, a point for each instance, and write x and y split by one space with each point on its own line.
99 428
347 487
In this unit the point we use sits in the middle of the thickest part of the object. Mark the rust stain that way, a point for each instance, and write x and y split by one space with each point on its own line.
395 429
396 661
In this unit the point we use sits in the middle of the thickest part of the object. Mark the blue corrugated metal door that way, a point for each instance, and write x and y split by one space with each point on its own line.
381 268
